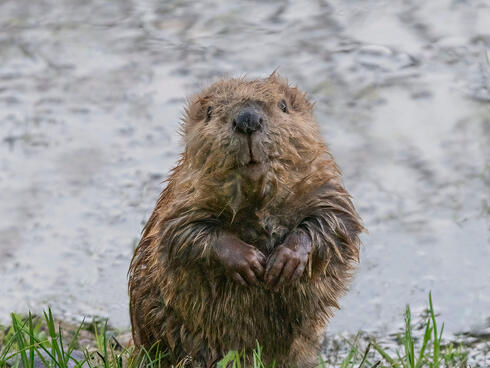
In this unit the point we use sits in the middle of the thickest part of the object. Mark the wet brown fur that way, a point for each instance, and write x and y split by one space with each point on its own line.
180 297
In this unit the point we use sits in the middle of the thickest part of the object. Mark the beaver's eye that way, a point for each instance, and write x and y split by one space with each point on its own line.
283 106
209 113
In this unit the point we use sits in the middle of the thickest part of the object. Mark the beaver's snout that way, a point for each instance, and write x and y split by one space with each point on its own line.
248 120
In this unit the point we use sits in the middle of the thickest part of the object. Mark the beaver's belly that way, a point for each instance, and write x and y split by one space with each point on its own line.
229 316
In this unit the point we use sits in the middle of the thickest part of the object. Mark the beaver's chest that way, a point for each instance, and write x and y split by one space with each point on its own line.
264 230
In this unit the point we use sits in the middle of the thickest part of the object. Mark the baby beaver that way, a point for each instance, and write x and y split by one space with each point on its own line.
253 240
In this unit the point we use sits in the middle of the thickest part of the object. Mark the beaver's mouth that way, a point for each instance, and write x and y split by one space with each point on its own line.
253 165
254 162
254 168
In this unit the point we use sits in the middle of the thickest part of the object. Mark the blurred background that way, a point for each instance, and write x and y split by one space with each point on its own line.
91 93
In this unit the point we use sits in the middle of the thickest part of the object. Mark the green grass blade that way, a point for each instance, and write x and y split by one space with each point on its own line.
64 358
349 359
21 340
364 357
440 334
427 335
408 339
436 342
5 354
104 336
55 348
74 340
385 355
31 340
43 345
41 356
257 356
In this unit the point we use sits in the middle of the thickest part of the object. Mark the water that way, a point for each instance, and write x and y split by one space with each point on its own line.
90 98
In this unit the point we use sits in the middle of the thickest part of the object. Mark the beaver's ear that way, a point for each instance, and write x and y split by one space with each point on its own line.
298 100
197 110
193 114
274 76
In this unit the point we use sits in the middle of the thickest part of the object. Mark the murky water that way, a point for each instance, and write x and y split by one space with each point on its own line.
90 98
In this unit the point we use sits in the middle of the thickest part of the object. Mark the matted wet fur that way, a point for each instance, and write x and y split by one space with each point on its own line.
180 296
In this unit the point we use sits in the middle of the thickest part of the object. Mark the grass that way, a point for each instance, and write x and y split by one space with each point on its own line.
33 338
430 352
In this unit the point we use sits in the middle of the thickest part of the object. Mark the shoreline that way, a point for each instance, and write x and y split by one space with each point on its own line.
95 338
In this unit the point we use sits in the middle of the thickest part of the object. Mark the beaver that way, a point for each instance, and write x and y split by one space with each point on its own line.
254 238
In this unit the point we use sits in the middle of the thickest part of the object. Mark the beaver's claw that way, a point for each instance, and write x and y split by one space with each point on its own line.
243 262
288 261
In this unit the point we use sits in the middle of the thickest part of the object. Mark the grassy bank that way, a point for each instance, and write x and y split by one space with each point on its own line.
35 339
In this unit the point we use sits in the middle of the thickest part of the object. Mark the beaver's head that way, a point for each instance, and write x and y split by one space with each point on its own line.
251 131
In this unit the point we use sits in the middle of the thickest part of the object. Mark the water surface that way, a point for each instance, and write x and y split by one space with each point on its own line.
90 99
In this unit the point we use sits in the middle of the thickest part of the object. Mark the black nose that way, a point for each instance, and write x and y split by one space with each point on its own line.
248 120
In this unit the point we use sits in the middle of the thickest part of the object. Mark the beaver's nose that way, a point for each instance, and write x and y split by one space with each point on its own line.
248 120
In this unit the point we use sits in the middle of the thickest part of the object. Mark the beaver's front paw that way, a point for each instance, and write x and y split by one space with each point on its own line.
243 262
288 261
